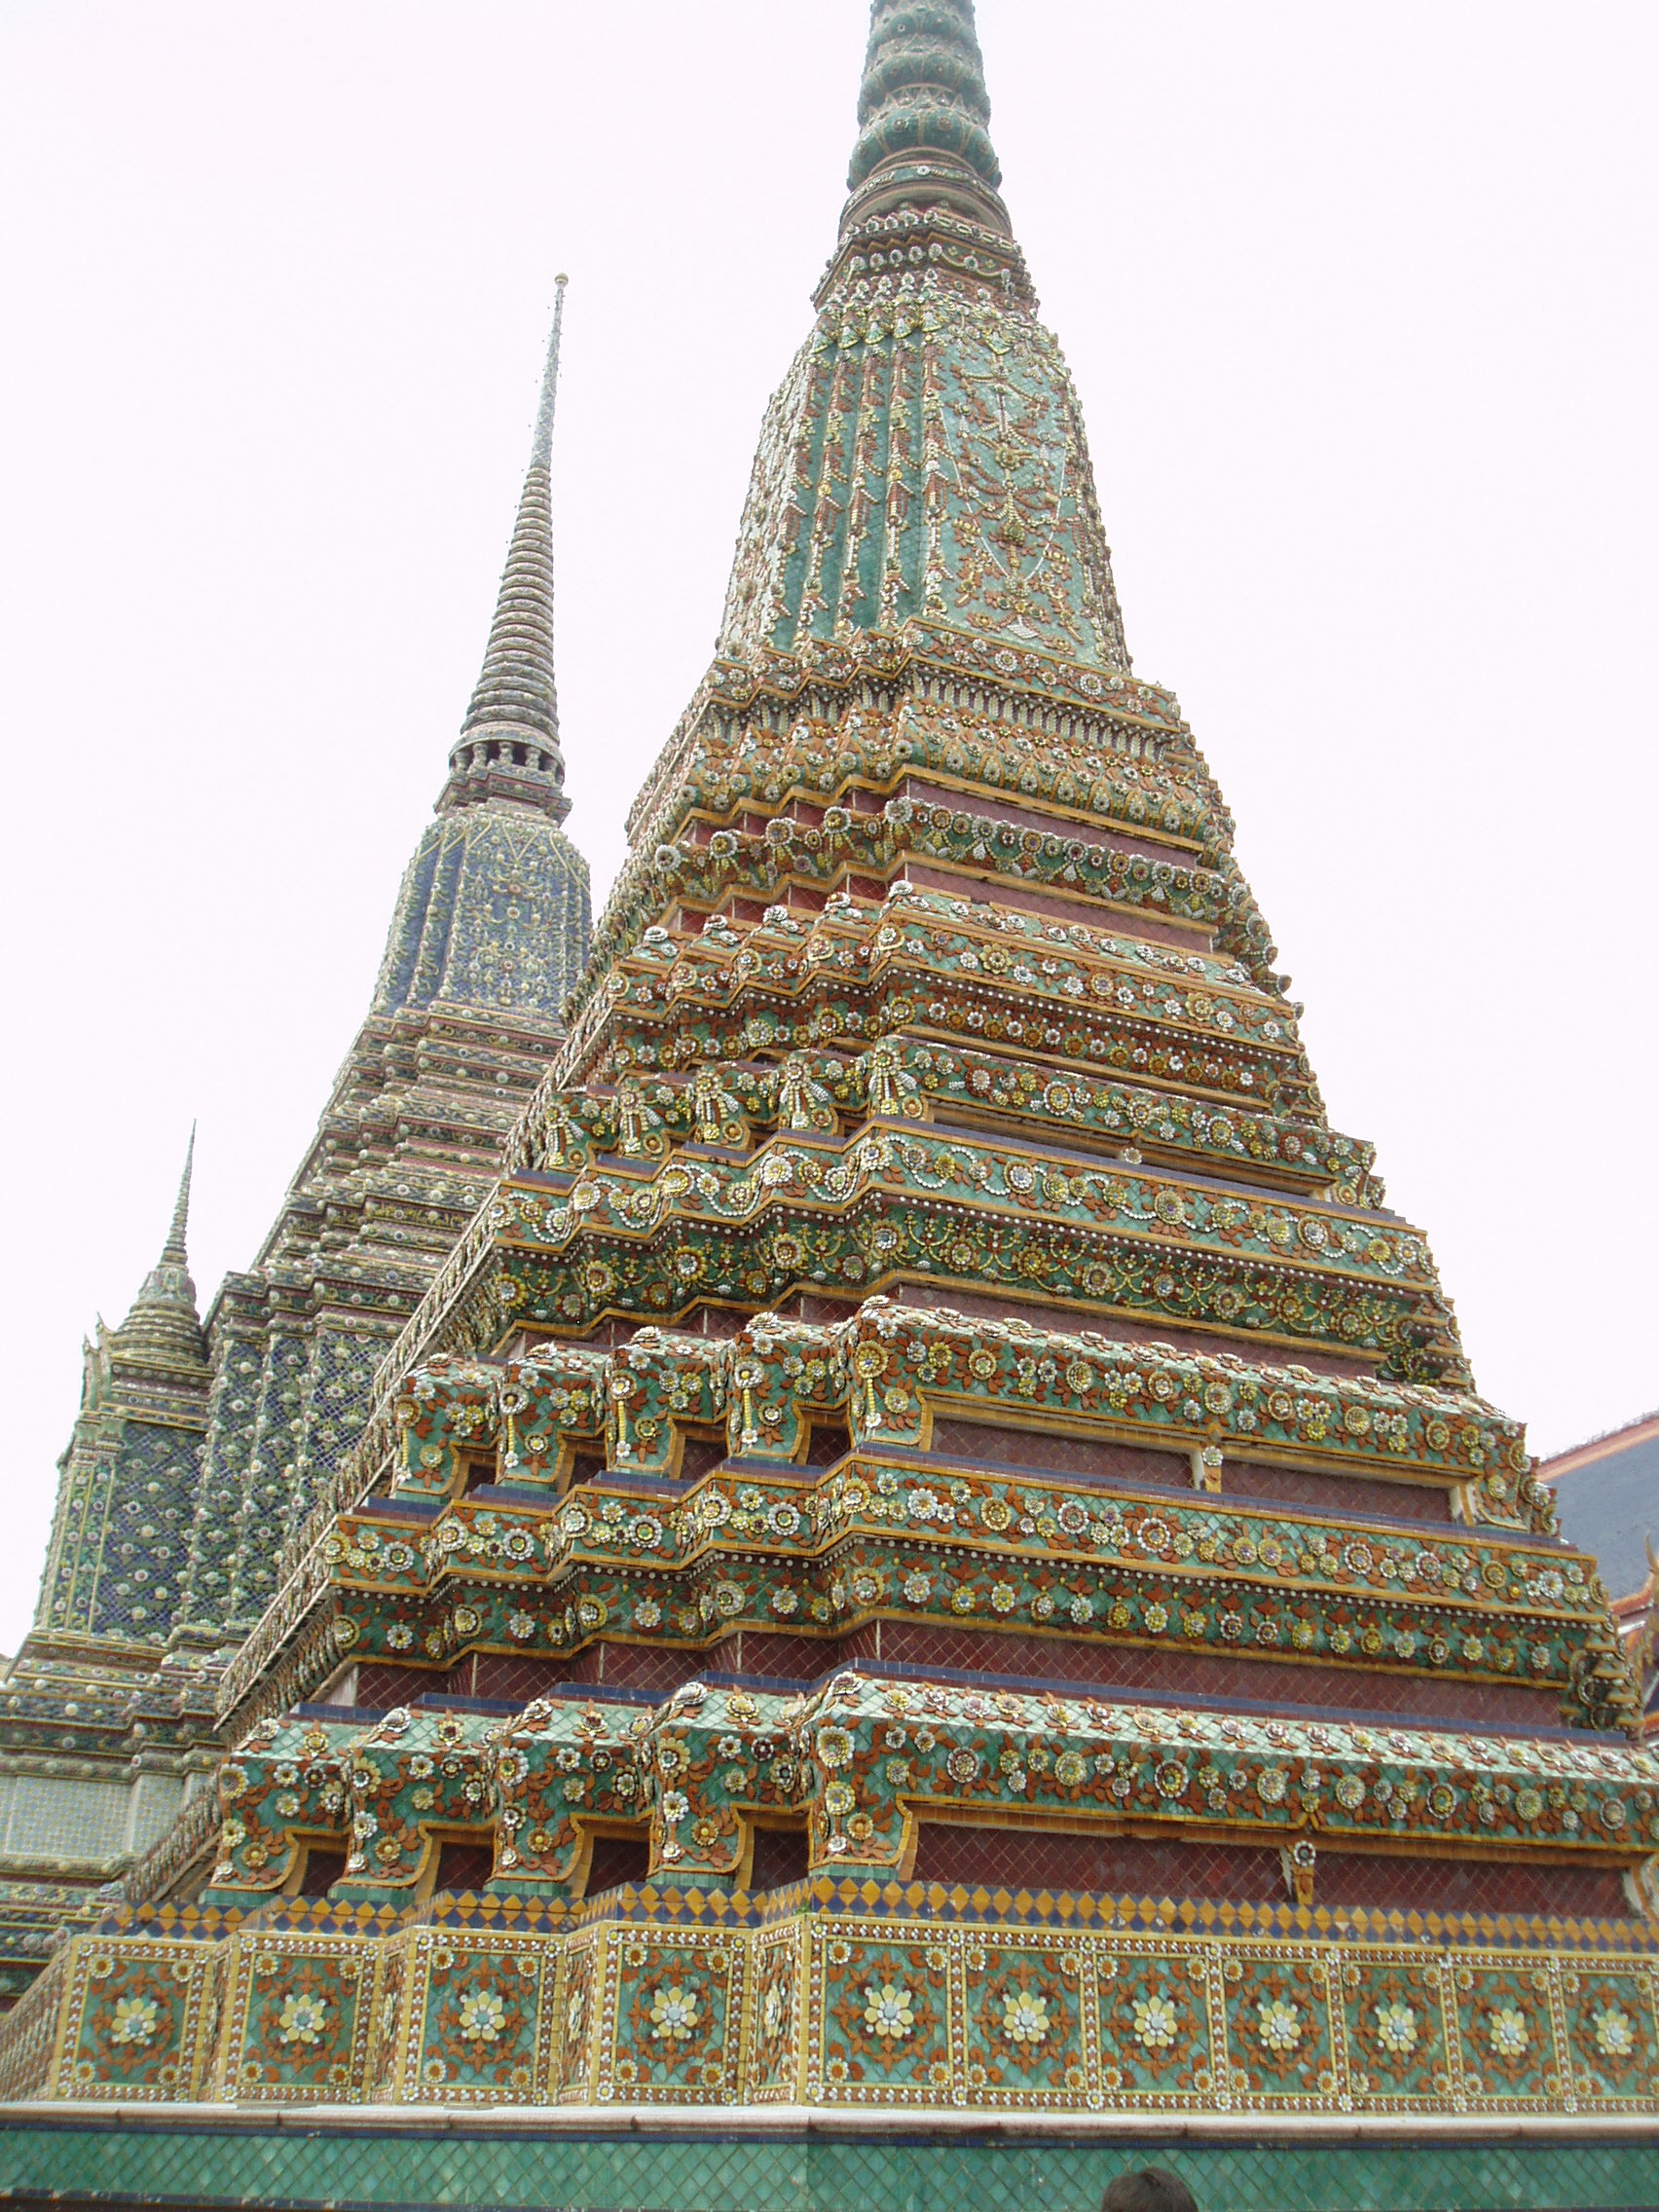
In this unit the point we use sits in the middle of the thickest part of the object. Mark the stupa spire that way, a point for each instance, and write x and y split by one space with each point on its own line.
509 741
164 1325
173 1250
923 114
923 465
542 445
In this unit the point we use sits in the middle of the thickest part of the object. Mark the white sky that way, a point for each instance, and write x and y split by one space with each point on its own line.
1360 304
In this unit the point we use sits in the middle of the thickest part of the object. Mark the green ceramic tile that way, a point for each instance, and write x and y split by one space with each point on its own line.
662 2171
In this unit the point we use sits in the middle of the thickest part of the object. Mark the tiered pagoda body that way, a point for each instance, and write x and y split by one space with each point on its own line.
933 1549
200 1448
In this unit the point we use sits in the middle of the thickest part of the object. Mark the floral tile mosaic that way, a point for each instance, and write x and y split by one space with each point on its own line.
686 1999
482 2008
135 2019
297 2023
673 2008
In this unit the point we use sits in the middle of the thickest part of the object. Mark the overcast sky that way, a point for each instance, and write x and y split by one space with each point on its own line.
1359 301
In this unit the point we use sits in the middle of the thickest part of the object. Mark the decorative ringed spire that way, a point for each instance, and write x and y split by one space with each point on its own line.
173 1249
509 741
164 1328
923 116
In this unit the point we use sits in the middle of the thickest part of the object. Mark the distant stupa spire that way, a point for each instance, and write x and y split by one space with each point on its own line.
173 1249
542 445
923 114
164 1326
509 741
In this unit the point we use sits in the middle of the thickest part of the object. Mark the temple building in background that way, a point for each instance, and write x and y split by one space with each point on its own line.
1606 1493
199 1446
931 1563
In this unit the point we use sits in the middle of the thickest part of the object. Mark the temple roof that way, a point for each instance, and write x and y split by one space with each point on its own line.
1607 1491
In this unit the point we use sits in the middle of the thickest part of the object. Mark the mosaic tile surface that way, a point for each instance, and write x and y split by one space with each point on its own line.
657 1998
931 1549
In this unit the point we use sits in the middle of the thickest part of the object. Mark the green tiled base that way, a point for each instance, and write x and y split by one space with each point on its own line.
665 2167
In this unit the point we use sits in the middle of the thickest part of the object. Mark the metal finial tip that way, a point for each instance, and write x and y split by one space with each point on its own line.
561 280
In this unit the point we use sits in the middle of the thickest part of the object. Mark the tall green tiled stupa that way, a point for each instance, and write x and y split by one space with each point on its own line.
926 1605
199 1446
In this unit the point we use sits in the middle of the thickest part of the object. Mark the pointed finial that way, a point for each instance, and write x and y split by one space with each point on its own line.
173 1249
541 448
162 1326
509 741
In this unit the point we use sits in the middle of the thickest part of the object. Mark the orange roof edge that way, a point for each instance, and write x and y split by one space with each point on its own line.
1603 1446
